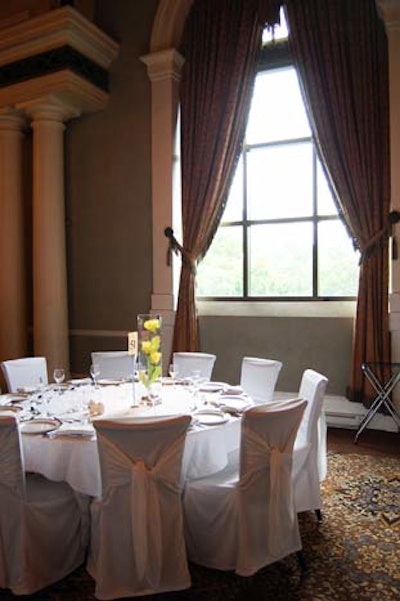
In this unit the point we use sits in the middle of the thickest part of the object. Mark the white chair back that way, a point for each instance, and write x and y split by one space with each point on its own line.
310 462
188 362
258 377
268 435
244 518
137 545
44 525
25 372
312 387
114 364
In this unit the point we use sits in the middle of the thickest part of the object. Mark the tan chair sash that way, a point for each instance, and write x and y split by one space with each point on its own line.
11 473
144 481
280 465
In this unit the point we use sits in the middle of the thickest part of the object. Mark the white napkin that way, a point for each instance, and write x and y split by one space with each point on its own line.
66 429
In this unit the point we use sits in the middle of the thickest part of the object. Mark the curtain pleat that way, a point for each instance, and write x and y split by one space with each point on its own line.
340 51
220 45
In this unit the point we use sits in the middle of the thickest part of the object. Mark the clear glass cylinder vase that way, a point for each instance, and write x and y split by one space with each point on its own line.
149 350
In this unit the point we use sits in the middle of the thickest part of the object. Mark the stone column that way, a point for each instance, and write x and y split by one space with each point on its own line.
50 298
13 306
164 70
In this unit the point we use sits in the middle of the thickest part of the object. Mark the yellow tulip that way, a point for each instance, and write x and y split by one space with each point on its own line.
152 325
146 347
155 343
155 357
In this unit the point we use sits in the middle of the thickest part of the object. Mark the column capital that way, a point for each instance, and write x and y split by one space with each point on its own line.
163 65
390 13
11 119
49 108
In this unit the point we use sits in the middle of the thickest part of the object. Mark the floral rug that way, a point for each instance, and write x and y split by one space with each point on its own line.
353 555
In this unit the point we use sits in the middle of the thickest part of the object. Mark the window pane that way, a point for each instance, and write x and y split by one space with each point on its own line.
220 273
234 206
325 203
281 260
279 182
279 32
337 261
277 110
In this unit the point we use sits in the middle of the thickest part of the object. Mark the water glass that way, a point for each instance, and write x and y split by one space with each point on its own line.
94 373
59 376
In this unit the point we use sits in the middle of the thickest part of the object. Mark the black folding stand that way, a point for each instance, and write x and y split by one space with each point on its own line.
383 390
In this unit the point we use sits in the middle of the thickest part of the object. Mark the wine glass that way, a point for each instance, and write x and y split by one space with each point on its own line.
59 376
94 373
194 385
173 372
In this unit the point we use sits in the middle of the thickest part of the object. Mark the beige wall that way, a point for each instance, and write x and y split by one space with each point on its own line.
109 194
320 343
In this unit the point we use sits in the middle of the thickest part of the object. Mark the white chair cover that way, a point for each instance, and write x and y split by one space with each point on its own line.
189 362
244 520
258 378
43 524
25 372
137 545
309 455
114 364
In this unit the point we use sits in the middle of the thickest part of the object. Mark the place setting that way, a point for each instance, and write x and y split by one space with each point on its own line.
226 398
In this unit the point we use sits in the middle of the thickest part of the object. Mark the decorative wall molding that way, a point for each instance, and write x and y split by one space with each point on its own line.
166 64
168 24
63 26
53 67
52 61
99 333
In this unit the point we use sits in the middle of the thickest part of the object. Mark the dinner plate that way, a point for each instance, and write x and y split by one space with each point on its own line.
12 397
212 387
40 426
235 403
211 418
231 390
78 381
109 382
27 389
11 408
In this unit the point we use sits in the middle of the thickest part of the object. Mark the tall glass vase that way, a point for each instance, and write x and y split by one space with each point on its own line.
149 353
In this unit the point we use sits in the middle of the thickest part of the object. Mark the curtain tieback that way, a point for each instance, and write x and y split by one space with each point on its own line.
386 231
187 257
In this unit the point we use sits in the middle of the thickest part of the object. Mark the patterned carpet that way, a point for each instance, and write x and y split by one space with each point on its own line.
354 555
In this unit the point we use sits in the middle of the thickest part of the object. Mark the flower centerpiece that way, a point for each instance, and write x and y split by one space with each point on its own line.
150 357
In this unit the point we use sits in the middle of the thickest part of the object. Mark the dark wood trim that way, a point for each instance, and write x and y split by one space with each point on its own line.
57 59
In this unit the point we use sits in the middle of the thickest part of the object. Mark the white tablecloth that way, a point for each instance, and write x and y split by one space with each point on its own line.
76 461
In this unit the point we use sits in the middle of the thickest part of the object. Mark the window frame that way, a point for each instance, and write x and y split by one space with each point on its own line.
276 55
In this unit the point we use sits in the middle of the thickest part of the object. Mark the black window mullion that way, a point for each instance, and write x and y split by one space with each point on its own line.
315 225
245 227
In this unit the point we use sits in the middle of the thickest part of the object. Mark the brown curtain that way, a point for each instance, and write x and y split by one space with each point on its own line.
220 46
340 51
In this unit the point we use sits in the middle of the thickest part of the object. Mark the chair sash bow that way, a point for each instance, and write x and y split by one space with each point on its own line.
144 481
280 464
